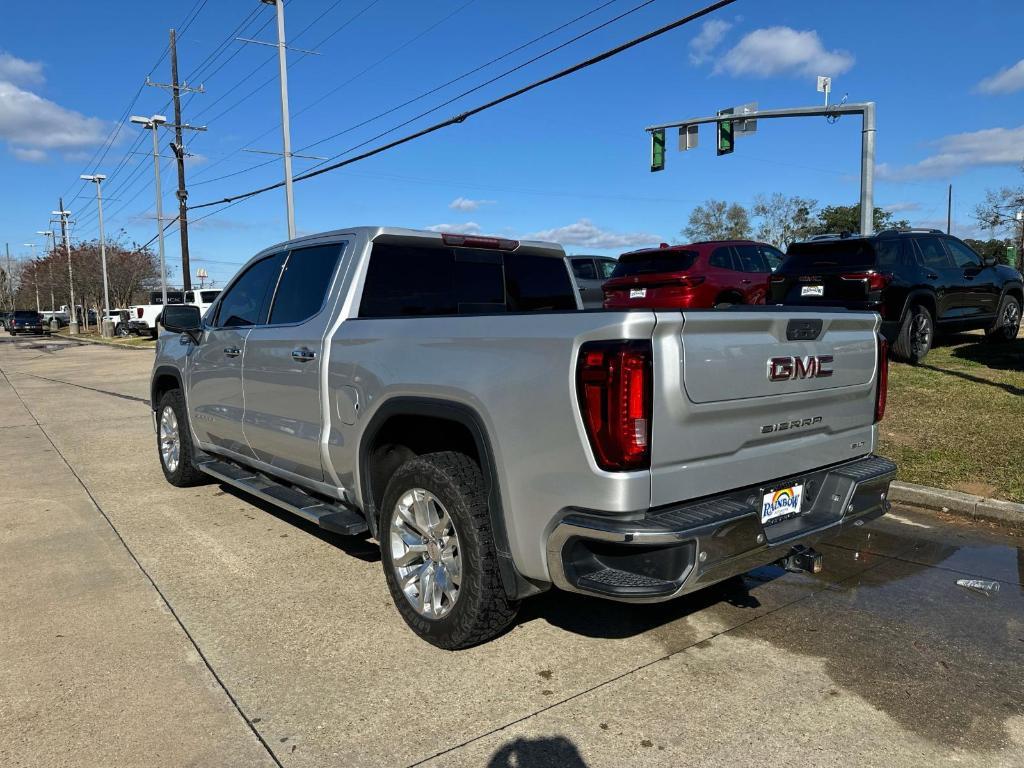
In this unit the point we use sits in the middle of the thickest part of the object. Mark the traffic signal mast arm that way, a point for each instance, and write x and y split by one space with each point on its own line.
867 158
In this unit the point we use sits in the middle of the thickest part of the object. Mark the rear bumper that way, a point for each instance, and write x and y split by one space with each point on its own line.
674 550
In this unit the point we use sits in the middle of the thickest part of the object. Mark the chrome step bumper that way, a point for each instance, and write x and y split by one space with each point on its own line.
673 550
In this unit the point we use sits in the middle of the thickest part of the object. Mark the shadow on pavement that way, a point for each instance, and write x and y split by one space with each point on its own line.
555 752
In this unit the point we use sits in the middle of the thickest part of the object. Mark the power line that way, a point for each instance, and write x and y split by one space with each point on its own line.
462 117
423 95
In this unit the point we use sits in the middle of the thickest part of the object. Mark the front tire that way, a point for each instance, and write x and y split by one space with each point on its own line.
1007 323
915 337
438 552
174 441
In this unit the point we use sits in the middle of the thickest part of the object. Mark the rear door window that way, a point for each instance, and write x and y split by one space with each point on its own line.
933 255
751 258
721 258
605 267
584 269
653 262
247 300
304 282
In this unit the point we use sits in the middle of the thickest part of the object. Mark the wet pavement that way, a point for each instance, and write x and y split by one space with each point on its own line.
149 625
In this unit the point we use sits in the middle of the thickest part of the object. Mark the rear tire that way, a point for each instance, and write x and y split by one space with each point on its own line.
914 339
174 441
435 523
1007 321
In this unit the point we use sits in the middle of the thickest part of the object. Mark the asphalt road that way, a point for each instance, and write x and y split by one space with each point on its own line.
146 625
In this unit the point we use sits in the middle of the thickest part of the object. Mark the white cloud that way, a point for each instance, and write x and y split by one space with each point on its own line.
28 155
1005 80
468 228
959 151
901 207
783 50
30 122
711 33
15 70
466 204
584 232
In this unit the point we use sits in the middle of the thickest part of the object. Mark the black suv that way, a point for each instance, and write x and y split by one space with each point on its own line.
919 281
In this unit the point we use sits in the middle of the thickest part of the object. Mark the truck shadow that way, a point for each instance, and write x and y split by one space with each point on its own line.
553 752
361 547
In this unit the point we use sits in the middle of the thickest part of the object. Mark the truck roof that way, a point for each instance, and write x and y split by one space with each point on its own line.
539 247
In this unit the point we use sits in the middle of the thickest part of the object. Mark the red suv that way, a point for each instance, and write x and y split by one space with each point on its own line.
700 275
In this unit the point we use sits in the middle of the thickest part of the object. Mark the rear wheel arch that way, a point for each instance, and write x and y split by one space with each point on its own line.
925 299
404 427
729 297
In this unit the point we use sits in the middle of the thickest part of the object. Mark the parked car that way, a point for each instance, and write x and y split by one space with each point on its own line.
26 321
704 274
590 273
432 390
5 320
145 318
919 280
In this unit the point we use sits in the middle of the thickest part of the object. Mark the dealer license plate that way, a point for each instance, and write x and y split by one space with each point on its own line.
812 290
637 293
782 503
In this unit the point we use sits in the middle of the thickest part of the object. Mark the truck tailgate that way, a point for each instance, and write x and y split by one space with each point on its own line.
742 398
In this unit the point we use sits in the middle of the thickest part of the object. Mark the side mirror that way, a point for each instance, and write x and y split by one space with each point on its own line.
990 261
182 318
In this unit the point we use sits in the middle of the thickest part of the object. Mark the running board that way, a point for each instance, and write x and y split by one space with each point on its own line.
330 517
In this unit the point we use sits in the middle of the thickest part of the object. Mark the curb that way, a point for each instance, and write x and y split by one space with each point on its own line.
966 504
99 343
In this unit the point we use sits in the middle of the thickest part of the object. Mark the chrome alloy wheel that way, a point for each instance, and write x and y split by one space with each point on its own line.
425 553
170 439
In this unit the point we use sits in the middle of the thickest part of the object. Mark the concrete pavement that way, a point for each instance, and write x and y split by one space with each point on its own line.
201 628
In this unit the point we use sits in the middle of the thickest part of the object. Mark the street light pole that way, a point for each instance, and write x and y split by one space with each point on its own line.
73 325
152 124
105 324
282 65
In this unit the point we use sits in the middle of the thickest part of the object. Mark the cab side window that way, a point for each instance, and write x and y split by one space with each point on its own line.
933 255
247 301
605 267
304 282
584 269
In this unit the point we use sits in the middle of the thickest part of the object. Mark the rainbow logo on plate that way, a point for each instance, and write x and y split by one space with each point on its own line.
781 503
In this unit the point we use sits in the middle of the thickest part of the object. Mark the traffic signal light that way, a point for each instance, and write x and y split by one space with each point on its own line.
726 134
658 150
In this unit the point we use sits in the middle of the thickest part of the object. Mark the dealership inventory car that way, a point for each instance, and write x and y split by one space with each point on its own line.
26 321
698 275
438 392
919 280
590 273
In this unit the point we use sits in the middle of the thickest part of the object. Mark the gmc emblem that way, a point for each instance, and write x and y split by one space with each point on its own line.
810 367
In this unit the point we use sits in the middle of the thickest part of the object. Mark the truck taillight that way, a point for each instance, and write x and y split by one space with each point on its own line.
614 383
883 378
138 312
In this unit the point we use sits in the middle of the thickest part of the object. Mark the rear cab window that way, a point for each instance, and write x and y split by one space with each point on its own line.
653 263
418 280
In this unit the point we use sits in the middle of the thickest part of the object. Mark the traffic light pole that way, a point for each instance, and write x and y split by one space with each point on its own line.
867 141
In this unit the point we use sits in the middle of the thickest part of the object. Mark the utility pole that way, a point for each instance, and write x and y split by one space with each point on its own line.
10 276
105 326
73 326
35 270
949 211
178 147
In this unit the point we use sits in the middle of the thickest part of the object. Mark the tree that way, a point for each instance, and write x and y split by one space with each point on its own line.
999 212
833 219
991 248
783 220
718 220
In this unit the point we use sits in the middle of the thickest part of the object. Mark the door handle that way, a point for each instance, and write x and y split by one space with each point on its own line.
232 351
932 276
303 354
745 282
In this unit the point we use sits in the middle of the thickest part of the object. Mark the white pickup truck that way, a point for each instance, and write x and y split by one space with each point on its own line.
144 318
446 395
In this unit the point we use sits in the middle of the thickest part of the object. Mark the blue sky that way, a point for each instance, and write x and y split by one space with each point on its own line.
567 162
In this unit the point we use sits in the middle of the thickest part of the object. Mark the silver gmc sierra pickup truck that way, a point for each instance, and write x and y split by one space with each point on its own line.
447 395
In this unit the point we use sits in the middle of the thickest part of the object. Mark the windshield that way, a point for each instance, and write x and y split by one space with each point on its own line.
847 254
653 262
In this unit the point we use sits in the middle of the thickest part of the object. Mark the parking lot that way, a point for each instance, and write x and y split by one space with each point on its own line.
149 625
